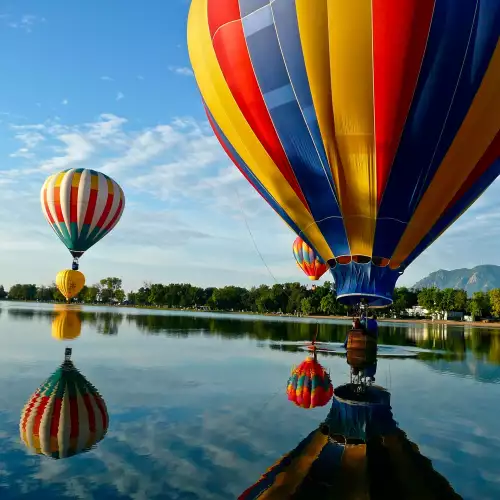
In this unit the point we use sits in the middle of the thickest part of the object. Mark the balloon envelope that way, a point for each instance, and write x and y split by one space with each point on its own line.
65 416
70 283
308 260
81 206
368 127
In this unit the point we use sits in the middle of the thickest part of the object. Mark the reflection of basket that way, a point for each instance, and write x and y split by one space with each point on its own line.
357 339
361 358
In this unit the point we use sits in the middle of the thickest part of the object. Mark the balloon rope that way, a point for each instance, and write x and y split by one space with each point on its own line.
253 239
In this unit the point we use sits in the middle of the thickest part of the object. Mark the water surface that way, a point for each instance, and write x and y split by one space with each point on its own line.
197 405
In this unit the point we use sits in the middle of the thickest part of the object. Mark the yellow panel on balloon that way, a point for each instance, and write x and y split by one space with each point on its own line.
70 283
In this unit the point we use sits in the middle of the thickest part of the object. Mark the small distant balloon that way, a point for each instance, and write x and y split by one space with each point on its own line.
308 260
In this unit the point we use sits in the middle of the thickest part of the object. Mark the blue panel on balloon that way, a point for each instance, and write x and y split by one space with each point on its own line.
355 282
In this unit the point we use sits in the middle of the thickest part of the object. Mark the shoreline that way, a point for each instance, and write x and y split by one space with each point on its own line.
482 324
479 324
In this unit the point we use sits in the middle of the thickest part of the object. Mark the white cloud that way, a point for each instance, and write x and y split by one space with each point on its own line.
30 140
107 79
64 102
76 149
120 96
181 70
26 22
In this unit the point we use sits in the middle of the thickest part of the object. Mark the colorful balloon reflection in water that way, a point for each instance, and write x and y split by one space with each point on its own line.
65 416
358 452
67 325
309 384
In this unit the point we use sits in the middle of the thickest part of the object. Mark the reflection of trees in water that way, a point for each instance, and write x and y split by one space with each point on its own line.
455 341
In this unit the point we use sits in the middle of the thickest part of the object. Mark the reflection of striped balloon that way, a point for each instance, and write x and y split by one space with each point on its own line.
65 416
309 385
82 206
308 260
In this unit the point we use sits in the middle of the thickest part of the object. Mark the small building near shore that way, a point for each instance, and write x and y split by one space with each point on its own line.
448 316
417 311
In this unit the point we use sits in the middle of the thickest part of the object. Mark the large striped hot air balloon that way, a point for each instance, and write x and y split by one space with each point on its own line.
65 416
82 206
369 126
308 260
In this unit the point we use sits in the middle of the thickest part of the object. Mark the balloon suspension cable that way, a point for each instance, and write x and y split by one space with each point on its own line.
253 239
75 264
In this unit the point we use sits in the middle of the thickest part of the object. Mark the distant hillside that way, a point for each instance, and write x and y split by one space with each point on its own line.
477 279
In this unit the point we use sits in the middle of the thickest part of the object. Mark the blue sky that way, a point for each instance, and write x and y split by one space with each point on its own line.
108 85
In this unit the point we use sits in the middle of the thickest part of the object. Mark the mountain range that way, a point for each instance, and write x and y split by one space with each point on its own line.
477 279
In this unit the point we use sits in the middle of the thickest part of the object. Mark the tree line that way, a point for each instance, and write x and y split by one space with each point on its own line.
286 298
451 345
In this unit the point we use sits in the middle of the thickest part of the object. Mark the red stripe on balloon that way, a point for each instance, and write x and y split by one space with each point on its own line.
117 213
489 157
57 204
105 213
29 409
234 60
56 415
73 214
73 415
221 12
39 414
400 32
89 214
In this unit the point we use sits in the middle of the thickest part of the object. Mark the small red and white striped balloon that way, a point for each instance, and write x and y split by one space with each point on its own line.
81 206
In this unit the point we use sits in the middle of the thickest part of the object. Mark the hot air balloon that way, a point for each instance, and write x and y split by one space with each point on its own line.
369 127
70 282
308 260
67 324
81 206
309 384
65 416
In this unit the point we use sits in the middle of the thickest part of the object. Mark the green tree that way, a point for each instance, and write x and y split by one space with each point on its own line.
91 294
479 305
306 306
460 301
3 293
494 296
328 305
109 288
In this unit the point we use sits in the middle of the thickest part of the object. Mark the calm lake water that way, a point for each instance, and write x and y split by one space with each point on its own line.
197 404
